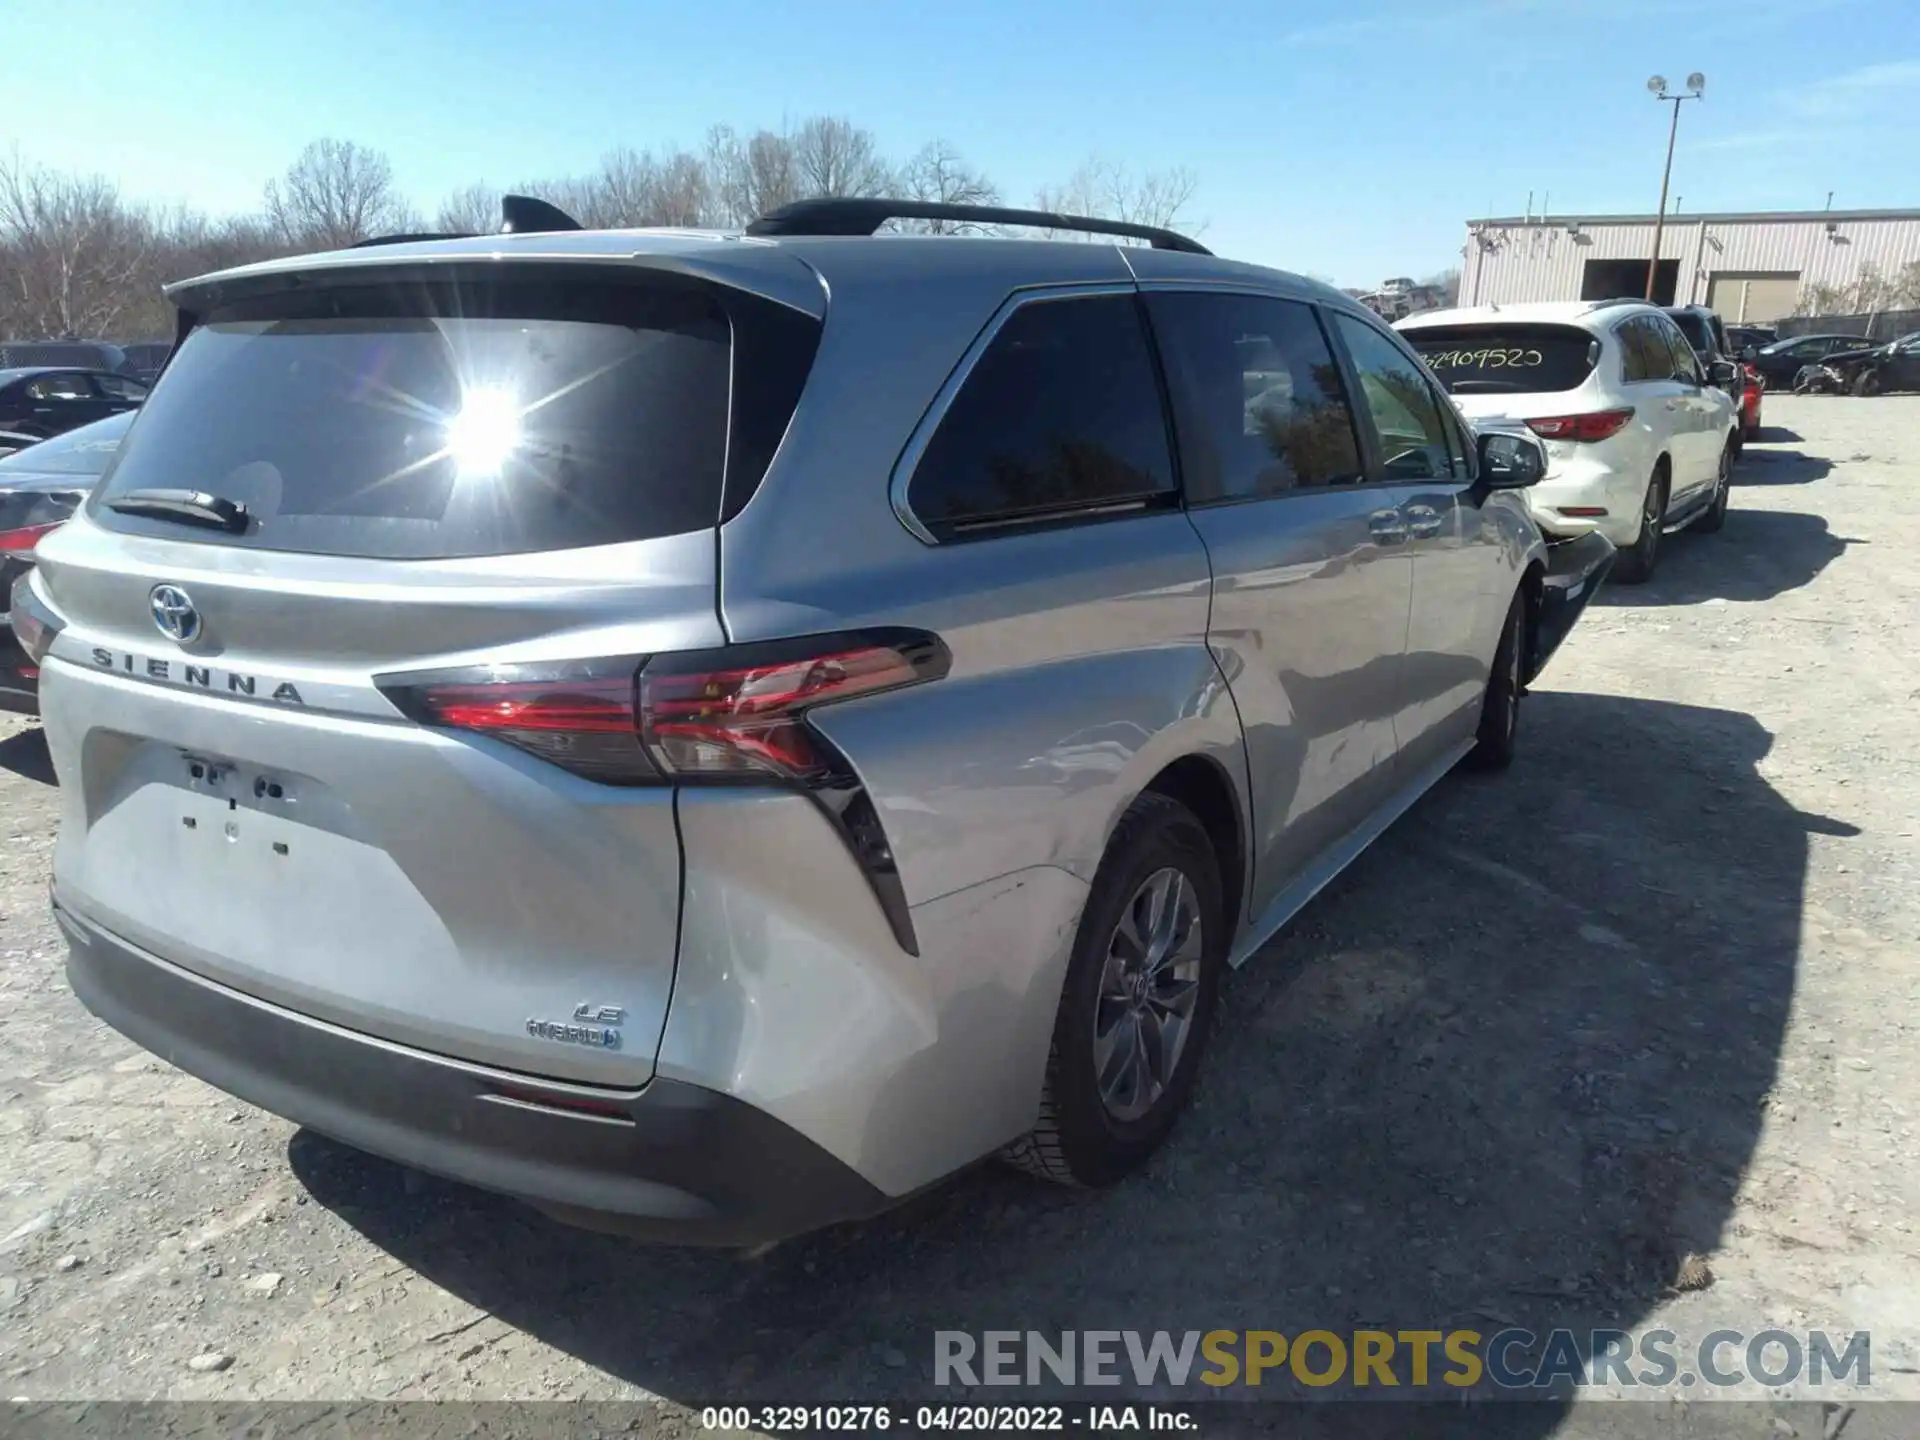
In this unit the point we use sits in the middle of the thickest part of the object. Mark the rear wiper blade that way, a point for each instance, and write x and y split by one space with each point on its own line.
191 507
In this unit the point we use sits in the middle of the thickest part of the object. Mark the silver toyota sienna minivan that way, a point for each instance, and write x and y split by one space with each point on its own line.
712 733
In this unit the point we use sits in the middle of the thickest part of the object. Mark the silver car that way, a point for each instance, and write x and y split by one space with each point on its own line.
712 733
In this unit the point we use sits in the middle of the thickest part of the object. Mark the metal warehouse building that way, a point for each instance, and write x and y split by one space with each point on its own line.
1745 266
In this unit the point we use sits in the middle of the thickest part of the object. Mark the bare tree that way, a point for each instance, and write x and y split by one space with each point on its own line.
73 257
1906 286
940 175
751 176
1447 282
1820 298
334 194
473 210
1110 190
834 157
76 260
639 188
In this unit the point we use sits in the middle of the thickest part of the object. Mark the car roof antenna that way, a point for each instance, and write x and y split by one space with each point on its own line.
525 215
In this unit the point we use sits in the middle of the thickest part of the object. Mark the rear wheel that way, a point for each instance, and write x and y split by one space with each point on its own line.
1716 515
1499 733
1637 560
1867 382
1138 1001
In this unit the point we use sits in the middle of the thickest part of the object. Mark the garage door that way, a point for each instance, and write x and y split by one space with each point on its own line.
1754 296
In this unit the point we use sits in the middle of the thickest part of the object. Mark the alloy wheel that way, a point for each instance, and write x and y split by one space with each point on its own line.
1148 989
1651 513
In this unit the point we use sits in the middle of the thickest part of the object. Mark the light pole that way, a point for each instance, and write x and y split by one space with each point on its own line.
1657 87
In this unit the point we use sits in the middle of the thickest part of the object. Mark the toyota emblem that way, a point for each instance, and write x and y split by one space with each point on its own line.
173 613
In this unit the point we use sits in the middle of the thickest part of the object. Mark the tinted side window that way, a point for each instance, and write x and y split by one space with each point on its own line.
1257 396
119 387
59 387
1400 404
1683 364
1060 416
1466 455
1632 335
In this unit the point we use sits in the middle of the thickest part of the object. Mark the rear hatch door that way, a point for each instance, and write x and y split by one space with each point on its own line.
435 476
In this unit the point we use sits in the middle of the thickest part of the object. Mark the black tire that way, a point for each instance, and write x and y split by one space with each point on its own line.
1499 735
1080 1139
1867 382
1716 515
1636 562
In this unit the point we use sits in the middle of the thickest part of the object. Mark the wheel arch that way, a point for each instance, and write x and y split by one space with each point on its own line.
1532 580
1201 783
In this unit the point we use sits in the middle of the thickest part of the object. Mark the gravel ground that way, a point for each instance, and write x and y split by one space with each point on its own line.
1651 994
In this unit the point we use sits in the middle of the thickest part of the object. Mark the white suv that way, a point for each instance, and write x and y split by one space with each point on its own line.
1638 440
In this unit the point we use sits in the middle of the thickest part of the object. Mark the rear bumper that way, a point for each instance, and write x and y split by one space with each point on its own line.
673 1162
1575 569
1593 477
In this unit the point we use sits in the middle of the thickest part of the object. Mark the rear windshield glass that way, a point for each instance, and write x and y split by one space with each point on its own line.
415 421
1506 359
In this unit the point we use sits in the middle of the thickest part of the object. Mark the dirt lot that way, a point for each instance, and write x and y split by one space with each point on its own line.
1652 993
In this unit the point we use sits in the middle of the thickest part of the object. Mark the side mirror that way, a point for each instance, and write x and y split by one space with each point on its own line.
1511 462
1722 374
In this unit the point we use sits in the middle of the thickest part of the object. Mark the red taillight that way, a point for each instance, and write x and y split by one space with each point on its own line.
736 714
730 714
1594 425
34 623
715 716
577 714
16 542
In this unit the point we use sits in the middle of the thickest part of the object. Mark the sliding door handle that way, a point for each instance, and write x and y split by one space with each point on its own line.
1387 527
1423 521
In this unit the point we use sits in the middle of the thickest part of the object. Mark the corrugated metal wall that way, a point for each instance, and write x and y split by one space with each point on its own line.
1507 263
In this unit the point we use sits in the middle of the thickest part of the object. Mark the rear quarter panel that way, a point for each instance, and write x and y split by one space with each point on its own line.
1080 669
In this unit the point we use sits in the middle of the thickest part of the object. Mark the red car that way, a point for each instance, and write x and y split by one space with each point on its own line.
1753 386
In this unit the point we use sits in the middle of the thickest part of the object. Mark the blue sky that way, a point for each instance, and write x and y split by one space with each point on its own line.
1348 140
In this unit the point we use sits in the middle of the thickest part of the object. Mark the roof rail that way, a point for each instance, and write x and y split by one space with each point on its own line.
1616 300
526 215
860 216
407 239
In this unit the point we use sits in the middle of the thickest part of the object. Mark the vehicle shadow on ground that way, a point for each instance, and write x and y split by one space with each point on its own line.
25 754
1776 435
1780 467
1758 555
1507 1071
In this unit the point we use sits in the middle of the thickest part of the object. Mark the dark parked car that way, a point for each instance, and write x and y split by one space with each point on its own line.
1779 362
47 402
1708 337
1750 337
145 359
1870 369
40 487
